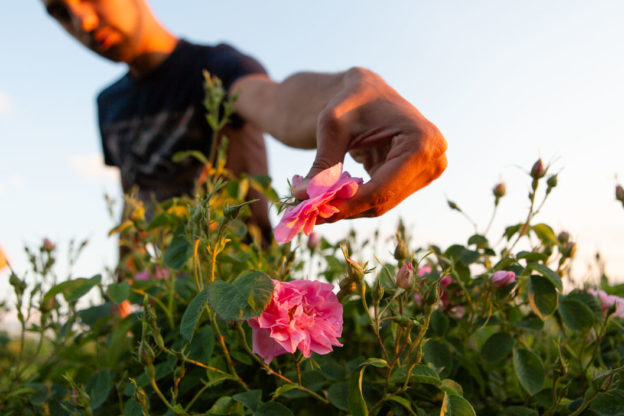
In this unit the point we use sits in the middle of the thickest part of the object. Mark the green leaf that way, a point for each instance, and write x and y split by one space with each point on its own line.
337 395
531 256
439 323
250 399
77 288
462 254
180 156
118 292
243 299
497 347
355 398
132 408
225 405
403 402
609 403
438 354
202 345
511 230
542 296
192 313
99 386
529 370
460 406
161 220
91 315
554 278
284 388
575 314
375 362
451 387
478 239
423 374
273 409
589 300
178 252
545 233
519 411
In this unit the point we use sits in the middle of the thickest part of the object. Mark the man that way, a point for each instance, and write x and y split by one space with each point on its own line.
142 124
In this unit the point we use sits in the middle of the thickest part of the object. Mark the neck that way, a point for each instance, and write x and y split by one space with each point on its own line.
154 54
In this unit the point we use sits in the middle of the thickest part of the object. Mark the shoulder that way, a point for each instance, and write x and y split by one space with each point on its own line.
108 93
224 61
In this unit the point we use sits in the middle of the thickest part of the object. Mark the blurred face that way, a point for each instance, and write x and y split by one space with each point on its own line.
110 28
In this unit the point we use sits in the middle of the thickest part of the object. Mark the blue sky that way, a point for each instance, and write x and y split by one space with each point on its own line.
506 82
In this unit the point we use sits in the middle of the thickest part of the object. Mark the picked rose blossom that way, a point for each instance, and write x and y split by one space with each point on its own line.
302 314
326 187
502 278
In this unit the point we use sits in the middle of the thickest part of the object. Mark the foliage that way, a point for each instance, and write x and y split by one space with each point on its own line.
449 342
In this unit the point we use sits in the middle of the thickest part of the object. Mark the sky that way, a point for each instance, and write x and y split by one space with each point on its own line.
505 82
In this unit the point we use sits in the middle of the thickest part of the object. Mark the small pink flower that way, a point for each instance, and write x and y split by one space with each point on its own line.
503 278
446 280
606 301
404 276
329 185
423 270
159 273
314 241
48 245
457 312
418 299
302 314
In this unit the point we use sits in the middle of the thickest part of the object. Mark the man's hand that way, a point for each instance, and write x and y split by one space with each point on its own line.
400 149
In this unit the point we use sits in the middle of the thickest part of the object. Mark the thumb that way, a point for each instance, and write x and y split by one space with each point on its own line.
331 148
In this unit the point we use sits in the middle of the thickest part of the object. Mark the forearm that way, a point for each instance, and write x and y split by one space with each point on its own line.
288 110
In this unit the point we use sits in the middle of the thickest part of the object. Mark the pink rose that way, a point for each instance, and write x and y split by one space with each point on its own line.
404 276
159 273
606 301
423 270
302 314
503 278
329 185
457 312
446 280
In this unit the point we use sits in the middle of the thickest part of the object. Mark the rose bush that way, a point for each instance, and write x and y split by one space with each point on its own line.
237 330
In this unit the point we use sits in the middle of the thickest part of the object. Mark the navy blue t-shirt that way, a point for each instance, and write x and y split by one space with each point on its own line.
144 122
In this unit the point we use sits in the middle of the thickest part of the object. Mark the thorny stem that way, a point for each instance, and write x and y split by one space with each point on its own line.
226 352
599 337
374 323
274 373
159 393
197 272
418 343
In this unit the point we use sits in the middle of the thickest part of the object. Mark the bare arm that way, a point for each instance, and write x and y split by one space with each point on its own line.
352 112
287 110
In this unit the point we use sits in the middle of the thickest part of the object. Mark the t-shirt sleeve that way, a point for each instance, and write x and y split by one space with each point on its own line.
229 65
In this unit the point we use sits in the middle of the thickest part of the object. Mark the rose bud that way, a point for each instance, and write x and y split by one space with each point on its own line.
503 278
499 190
314 241
404 276
552 181
563 237
569 250
538 171
48 245
619 193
